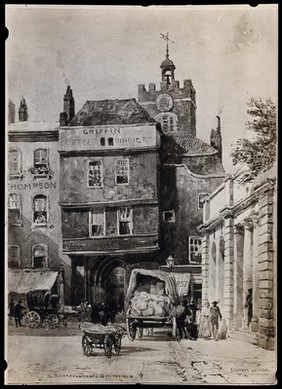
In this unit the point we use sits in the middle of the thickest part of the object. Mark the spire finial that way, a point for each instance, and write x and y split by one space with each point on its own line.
166 38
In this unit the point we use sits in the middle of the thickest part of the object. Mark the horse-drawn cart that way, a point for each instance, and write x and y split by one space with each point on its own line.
152 296
103 337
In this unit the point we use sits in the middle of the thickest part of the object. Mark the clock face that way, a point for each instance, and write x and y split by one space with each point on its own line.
164 102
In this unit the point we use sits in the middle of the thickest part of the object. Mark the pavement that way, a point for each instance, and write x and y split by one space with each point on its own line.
230 361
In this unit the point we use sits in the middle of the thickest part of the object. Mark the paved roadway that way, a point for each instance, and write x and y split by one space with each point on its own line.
59 359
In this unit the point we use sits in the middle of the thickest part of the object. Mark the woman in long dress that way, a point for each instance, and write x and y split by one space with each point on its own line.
205 326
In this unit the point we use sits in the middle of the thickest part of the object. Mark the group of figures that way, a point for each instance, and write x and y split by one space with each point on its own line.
98 313
211 323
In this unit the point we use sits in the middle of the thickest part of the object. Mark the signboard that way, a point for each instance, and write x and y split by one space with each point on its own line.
108 137
182 283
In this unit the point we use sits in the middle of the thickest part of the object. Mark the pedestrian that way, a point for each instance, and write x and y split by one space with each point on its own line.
181 313
11 308
249 305
215 317
18 313
205 325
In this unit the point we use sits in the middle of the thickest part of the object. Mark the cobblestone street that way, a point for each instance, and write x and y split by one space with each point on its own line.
153 359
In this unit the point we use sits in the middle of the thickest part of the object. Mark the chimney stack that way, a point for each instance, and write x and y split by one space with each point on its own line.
11 112
68 109
23 114
216 139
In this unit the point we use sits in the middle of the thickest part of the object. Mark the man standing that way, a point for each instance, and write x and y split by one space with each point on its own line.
249 305
215 316
18 313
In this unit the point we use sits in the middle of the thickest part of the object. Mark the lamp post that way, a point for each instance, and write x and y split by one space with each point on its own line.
170 262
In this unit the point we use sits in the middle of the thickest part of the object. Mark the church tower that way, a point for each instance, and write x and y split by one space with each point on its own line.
173 107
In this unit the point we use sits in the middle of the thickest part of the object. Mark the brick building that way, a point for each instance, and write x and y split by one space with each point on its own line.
34 222
109 195
190 170
239 241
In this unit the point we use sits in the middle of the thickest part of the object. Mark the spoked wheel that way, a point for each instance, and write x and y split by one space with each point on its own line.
130 329
33 319
108 346
117 345
140 332
86 346
52 321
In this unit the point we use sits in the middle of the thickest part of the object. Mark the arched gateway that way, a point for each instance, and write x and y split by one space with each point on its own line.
108 283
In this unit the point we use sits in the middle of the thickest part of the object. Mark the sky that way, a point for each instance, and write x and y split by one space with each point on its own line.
229 53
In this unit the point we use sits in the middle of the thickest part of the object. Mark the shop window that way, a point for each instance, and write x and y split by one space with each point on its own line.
14 162
95 174
195 249
168 122
13 256
169 216
122 172
40 210
125 221
97 223
14 209
201 198
40 255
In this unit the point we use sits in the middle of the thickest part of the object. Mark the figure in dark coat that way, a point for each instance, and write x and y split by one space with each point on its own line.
18 313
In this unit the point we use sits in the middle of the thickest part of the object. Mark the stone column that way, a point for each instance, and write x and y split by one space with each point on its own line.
247 264
266 276
229 269
73 281
238 309
86 279
254 323
205 267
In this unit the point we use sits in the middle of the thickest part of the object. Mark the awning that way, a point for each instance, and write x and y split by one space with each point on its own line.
167 278
21 282
182 283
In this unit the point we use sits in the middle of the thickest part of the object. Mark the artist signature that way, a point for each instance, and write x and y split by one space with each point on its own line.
249 370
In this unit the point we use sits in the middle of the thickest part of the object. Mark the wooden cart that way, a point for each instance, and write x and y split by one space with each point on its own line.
102 337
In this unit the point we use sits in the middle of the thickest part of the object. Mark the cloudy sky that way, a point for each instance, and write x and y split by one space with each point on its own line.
229 53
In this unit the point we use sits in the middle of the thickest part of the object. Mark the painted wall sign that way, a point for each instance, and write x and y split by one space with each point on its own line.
105 138
33 185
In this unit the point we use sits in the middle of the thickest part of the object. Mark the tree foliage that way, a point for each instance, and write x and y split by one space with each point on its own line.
258 154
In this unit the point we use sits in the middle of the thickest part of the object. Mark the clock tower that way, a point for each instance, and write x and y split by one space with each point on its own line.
174 107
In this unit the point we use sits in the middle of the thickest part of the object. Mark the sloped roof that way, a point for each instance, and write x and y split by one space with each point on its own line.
111 112
186 145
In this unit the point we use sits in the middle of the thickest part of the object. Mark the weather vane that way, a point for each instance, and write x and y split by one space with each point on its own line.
166 38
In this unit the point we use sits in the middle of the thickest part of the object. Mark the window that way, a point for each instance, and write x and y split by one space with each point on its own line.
97 223
14 209
122 171
102 141
95 174
14 256
110 141
41 158
14 162
201 198
169 216
125 221
195 249
40 210
40 255
168 122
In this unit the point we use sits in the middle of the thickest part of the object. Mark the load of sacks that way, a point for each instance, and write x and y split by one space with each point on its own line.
150 304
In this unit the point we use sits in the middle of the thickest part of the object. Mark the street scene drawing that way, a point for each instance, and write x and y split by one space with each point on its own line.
141 195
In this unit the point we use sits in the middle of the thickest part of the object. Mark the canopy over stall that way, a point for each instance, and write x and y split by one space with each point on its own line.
25 281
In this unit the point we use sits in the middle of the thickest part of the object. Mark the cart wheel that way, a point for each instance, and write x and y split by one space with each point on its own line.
130 329
117 344
33 319
108 346
52 321
140 332
86 347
